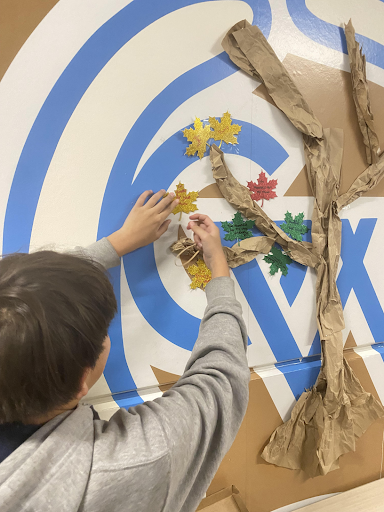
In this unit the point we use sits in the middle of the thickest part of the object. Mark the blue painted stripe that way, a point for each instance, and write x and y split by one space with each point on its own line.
300 374
354 276
266 311
116 372
380 349
129 400
330 35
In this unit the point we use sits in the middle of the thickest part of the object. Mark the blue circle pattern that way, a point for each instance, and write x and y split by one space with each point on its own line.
56 112
159 171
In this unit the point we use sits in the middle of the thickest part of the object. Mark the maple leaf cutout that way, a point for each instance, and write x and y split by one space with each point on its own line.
294 227
263 189
201 275
185 200
198 137
224 130
238 229
278 261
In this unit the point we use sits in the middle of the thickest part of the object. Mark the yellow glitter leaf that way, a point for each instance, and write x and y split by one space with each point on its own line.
224 130
198 137
185 200
201 275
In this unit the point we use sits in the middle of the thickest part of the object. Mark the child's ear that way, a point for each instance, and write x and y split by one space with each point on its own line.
83 385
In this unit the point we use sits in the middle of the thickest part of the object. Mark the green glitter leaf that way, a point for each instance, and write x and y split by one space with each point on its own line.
294 227
238 229
278 261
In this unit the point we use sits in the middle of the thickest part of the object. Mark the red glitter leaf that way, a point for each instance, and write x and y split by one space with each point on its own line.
263 189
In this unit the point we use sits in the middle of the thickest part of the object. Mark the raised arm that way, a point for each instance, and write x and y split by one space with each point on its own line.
146 222
178 441
201 414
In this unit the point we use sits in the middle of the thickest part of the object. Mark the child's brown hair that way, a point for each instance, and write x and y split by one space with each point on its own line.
55 310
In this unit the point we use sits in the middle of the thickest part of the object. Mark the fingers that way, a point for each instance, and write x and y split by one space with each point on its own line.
198 216
166 207
164 214
163 228
196 237
155 199
198 241
143 197
203 220
197 230
165 202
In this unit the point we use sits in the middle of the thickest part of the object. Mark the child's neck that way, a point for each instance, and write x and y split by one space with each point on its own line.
40 420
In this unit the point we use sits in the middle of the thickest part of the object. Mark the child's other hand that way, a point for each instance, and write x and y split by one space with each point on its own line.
145 222
207 237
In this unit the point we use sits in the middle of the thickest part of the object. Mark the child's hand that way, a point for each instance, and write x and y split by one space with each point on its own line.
207 237
145 222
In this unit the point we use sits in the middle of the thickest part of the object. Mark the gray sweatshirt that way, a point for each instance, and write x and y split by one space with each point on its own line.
157 456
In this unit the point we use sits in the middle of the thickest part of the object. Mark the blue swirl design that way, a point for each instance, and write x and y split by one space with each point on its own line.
330 35
60 105
170 158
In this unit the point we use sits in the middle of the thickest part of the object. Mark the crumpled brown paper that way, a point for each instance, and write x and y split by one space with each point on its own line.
361 95
237 255
326 420
247 250
247 48
186 246
239 197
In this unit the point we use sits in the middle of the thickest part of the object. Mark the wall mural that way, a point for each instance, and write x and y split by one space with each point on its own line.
93 111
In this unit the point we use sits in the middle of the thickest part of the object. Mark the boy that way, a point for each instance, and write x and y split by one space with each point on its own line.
56 455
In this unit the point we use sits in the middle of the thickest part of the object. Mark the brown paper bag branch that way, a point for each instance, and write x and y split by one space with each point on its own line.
247 48
326 420
247 250
239 197
237 255
360 95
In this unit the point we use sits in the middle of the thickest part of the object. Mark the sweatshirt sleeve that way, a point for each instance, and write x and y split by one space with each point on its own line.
201 414
101 251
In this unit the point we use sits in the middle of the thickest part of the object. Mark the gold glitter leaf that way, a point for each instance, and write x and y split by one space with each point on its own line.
198 136
224 130
200 273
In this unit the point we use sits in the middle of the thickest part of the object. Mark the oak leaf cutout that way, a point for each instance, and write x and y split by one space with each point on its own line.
201 275
278 261
294 227
198 137
224 130
238 229
263 189
186 200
